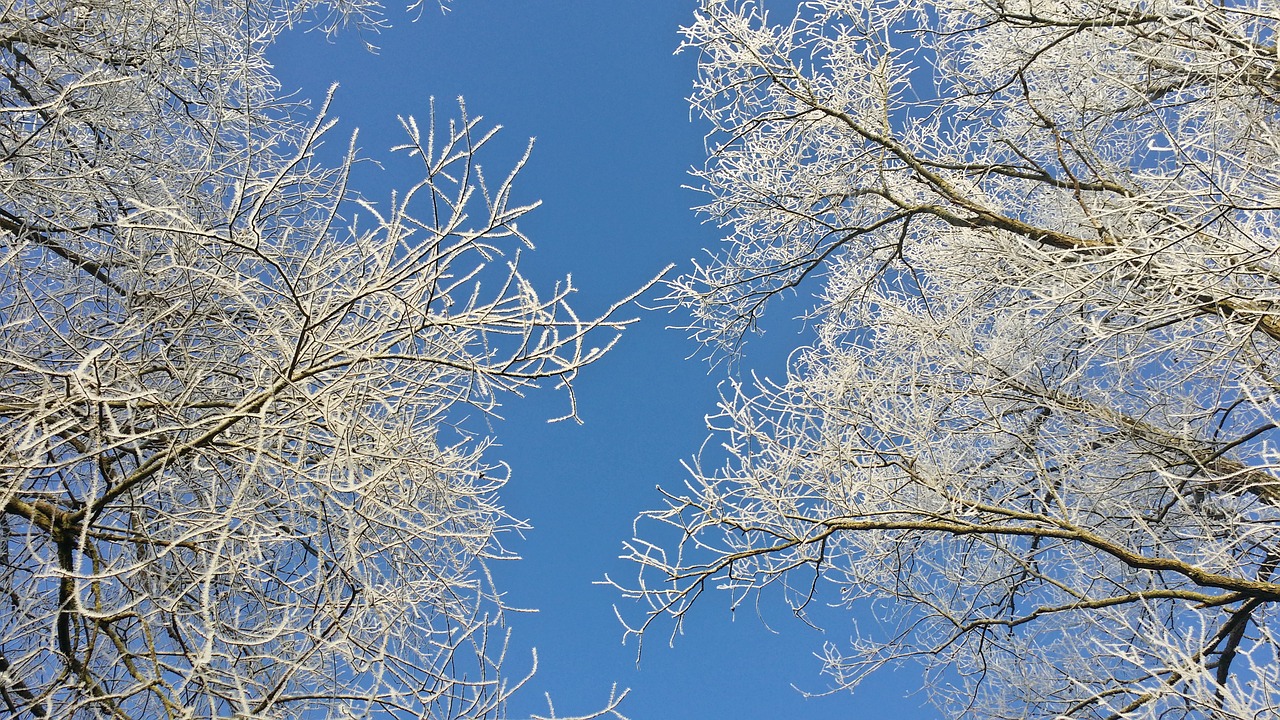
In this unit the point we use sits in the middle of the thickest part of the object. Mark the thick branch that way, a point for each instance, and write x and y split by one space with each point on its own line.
44 238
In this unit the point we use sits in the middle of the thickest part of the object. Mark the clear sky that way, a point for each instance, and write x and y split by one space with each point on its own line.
597 84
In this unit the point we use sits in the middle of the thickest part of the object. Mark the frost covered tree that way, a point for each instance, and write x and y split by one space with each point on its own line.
240 467
1036 427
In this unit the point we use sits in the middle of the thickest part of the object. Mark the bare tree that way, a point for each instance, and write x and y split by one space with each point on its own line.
1036 429
239 463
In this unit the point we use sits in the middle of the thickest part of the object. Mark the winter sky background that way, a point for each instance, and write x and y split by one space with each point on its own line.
597 84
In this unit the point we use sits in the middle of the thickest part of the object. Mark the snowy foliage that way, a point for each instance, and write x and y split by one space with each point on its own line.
1037 425
238 467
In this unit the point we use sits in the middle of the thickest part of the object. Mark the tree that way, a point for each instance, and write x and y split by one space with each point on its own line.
1036 427
240 469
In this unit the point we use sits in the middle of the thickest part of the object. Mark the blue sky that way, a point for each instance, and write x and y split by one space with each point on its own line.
597 85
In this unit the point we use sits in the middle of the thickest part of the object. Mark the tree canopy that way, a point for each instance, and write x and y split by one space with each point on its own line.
245 469
241 470
1036 426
